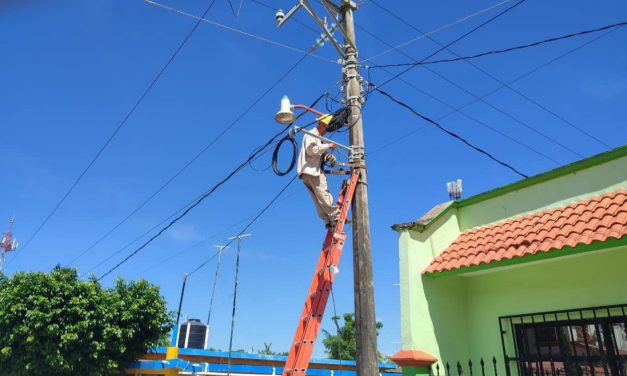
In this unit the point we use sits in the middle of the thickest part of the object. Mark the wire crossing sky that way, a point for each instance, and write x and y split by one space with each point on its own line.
74 69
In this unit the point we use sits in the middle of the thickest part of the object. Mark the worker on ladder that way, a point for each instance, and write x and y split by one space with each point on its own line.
313 155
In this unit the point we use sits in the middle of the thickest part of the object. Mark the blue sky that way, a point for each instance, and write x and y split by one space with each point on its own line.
71 70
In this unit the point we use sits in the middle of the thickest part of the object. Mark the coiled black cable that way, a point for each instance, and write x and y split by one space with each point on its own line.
275 156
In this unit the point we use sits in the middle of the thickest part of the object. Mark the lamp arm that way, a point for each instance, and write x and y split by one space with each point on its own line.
303 107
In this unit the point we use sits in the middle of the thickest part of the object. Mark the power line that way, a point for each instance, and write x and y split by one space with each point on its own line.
532 71
438 29
201 152
494 129
119 126
245 228
524 96
450 133
211 237
127 245
256 152
197 202
238 31
520 77
303 24
505 50
500 110
196 156
484 23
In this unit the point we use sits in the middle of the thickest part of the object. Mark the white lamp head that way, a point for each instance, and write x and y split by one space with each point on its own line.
285 115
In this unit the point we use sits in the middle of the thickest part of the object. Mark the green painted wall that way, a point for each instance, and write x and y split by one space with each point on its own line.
591 279
455 317
427 304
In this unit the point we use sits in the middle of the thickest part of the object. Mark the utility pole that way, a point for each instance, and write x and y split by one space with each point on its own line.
365 319
220 248
178 314
239 243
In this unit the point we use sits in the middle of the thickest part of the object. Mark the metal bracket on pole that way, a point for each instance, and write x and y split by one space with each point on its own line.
312 13
305 4
290 14
333 9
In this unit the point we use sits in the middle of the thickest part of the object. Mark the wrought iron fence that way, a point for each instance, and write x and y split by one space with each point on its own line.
579 342
470 368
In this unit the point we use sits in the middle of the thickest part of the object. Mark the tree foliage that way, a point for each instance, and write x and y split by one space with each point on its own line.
342 345
267 350
55 324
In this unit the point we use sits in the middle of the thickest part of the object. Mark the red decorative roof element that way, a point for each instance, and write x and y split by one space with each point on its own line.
581 223
413 358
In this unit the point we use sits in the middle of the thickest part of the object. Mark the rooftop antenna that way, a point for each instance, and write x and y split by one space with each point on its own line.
8 243
454 189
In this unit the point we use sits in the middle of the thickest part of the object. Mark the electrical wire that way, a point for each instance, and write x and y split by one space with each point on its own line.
438 29
484 23
467 115
450 133
505 50
185 210
211 237
500 110
496 79
197 202
118 127
275 156
238 31
195 157
274 9
245 228
532 71
527 74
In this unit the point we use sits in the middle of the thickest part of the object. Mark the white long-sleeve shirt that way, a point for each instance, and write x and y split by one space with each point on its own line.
309 159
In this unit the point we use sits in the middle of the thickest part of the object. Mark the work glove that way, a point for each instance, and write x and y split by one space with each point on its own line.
329 159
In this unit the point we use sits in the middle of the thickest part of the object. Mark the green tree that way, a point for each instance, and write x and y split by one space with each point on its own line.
55 324
342 345
267 350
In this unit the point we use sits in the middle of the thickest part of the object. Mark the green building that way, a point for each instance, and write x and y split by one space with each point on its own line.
526 279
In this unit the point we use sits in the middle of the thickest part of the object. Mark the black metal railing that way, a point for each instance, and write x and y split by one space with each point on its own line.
469 368
578 342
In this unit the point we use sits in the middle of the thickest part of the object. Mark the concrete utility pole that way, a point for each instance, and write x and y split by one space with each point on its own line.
365 319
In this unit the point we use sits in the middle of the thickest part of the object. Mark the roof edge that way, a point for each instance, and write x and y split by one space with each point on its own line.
577 166
552 253
431 216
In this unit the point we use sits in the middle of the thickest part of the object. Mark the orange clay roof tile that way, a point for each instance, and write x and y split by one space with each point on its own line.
596 219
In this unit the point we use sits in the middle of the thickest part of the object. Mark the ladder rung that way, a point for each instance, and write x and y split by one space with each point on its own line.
340 235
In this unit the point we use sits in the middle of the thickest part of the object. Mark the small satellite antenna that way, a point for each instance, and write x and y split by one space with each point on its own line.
454 189
7 244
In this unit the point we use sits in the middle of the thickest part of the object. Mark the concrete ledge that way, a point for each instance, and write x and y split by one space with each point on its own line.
413 358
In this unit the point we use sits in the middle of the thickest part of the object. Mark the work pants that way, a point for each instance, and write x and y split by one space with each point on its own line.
319 191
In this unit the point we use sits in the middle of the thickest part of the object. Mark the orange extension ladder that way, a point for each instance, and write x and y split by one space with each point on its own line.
309 323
